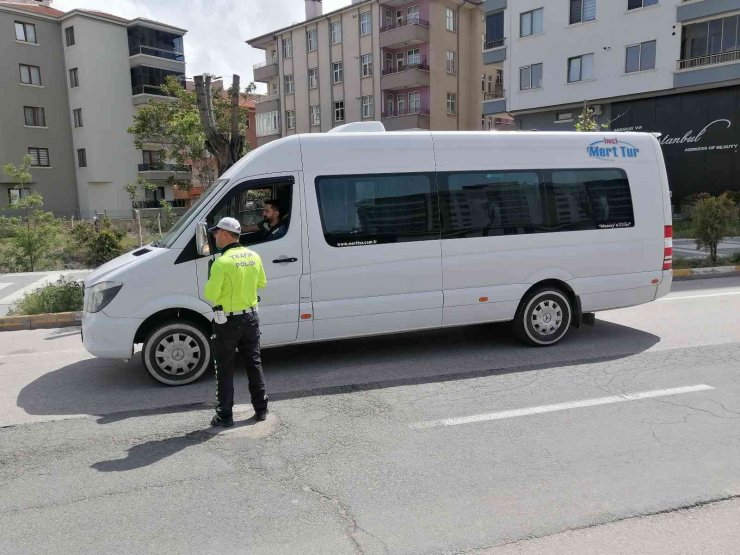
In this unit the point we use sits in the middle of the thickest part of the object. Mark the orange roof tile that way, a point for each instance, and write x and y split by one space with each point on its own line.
41 10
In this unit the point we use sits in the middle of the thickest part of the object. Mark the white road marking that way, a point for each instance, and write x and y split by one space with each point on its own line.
561 406
699 296
4 285
49 277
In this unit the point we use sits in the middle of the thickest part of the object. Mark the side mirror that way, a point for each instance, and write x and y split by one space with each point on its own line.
201 239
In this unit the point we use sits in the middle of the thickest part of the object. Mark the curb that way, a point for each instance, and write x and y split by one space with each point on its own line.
704 273
40 321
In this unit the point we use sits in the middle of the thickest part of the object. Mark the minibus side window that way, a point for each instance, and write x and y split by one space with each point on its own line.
484 204
581 199
375 209
247 203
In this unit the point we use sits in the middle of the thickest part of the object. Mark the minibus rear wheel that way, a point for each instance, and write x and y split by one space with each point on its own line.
176 352
543 317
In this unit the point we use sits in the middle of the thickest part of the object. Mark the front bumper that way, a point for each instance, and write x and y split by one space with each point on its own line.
108 337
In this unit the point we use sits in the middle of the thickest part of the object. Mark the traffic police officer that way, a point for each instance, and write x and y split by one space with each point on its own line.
232 289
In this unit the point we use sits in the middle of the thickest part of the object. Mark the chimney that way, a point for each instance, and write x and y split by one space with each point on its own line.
313 9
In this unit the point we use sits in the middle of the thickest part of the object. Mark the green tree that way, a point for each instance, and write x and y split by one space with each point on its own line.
714 218
175 124
32 237
587 120
21 175
138 189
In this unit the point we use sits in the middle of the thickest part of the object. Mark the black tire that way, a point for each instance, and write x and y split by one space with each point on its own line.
543 317
177 352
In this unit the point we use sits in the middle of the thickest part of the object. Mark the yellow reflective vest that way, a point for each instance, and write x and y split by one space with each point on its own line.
235 277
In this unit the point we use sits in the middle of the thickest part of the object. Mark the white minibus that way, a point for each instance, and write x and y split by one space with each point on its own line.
391 232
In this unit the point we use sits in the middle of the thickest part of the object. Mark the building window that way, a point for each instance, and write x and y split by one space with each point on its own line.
274 56
40 156
290 119
561 117
35 117
69 36
315 115
581 68
153 42
312 40
365 23
530 77
494 30
15 195
339 110
336 32
414 102
268 124
451 20
313 78
362 211
640 57
635 4
149 80
451 103
30 75
337 72
451 62
152 159
710 38
413 57
366 65
275 88
74 78
289 85
77 114
368 107
287 48
531 23
412 15
582 10
25 32
82 157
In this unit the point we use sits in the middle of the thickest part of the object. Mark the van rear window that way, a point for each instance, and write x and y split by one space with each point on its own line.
376 209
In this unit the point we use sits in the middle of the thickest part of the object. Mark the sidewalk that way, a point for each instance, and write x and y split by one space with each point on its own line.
710 528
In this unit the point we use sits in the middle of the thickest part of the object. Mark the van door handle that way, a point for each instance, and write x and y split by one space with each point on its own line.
284 260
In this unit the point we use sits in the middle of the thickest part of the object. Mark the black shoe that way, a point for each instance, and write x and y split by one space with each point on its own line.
261 416
222 421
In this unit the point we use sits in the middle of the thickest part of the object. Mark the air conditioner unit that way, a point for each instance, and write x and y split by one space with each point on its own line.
597 110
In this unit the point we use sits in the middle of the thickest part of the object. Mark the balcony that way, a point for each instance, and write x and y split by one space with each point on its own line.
494 51
398 120
160 171
157 53
404 33
269 104
702 70
494 102
405 77
706 8
264 72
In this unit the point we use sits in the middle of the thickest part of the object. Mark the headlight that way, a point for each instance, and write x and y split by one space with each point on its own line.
99 296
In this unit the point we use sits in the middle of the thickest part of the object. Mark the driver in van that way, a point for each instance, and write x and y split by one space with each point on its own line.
274 222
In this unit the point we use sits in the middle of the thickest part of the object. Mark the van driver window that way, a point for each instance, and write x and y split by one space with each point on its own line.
264 212
376 209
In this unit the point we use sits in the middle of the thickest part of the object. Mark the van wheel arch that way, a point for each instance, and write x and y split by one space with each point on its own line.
162 316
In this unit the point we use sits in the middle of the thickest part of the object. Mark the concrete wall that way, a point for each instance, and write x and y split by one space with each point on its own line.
57 183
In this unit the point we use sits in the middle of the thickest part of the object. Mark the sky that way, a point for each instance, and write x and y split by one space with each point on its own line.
216 29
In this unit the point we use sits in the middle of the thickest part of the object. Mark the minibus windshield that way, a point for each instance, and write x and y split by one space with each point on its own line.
168 240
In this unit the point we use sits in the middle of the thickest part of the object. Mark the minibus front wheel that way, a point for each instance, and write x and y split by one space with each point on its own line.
176 352
543 317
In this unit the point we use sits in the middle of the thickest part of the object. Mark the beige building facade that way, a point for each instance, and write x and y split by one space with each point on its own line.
412 64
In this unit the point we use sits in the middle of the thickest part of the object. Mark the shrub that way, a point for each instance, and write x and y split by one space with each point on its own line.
100 245
62 296
714 219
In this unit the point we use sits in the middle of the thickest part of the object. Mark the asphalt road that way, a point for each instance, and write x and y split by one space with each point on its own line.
456 441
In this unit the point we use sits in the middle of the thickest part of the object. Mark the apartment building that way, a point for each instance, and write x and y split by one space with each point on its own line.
100 68
667 66
412 64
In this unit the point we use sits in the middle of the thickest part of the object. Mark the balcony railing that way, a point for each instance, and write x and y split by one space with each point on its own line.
259 65
161 167
721 58
157 53
397 69
495 94
404 23
149 203
491 44
406 112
